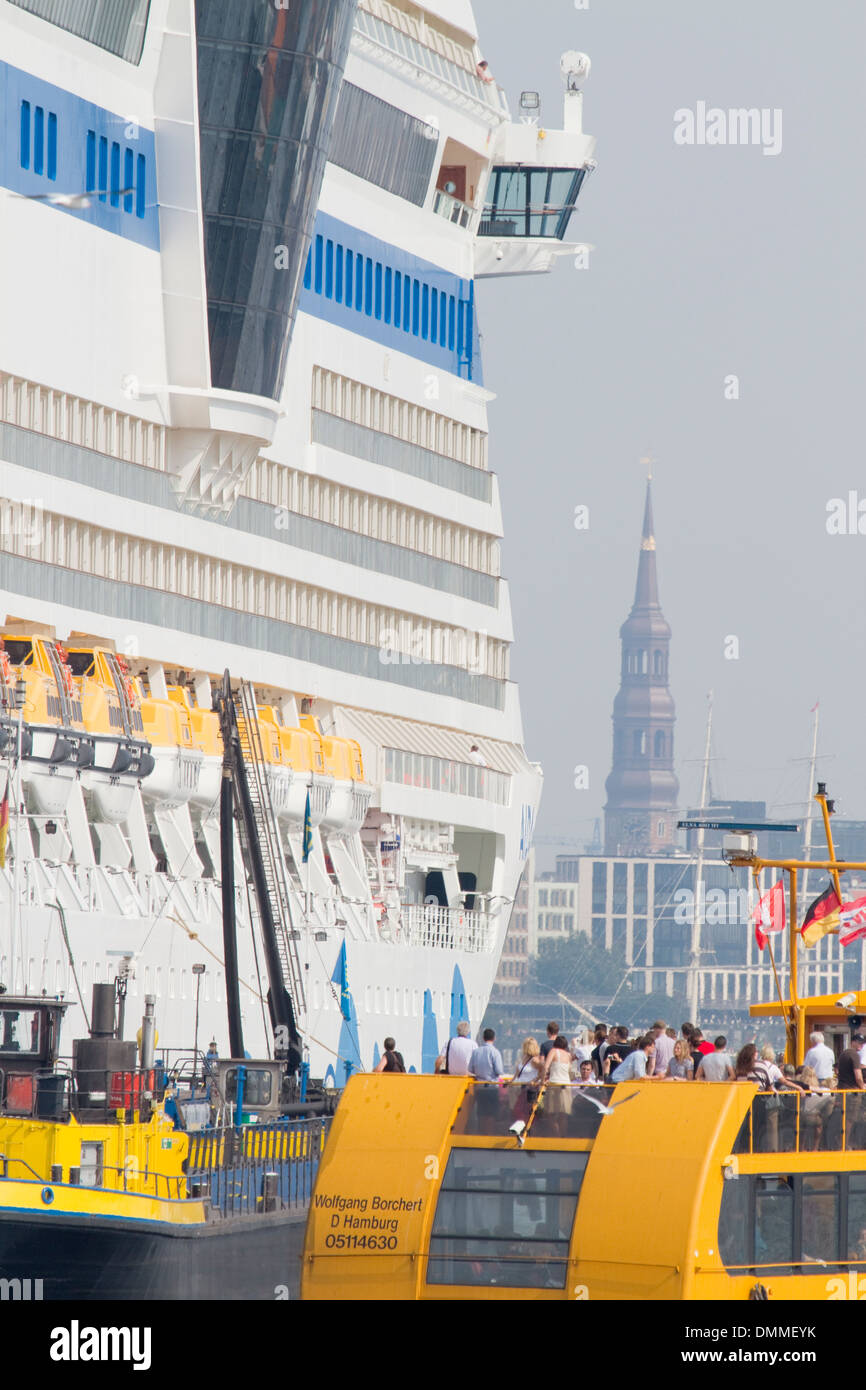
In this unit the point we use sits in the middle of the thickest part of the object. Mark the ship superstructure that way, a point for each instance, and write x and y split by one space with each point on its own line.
243 426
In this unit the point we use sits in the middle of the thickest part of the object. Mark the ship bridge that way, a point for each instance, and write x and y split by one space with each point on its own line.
534 183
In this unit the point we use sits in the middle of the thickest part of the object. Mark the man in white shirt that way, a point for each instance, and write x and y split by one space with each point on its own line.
664 1048
716 1065
454 1058
476 756
820 1057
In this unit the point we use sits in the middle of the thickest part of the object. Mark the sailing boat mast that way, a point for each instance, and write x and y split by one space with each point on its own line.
807 838
694 992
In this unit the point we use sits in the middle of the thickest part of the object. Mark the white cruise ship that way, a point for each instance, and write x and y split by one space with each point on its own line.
243 426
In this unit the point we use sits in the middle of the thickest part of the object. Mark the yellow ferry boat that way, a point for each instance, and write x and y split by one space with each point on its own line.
429 1187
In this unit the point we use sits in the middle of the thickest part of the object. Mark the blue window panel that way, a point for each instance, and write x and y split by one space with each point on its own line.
103 168
128 179
329 269
24 144
90 162
38 139
140 184
320 256
114 194
338 274
51 158
308 273
400 300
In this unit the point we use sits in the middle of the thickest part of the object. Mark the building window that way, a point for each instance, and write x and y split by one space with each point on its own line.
639 743
598 931
658 663
24 146
659 743
639 888
660 829
599 887
620 887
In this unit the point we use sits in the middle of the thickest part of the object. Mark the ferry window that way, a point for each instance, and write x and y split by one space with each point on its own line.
505 1218
329 269
368 287
91 161
338 274
377 308
38 139
91 1164
774 1220
51 154
24 155
735 1222
103 167
425 311
19 1030
434 315
359 283
319 257
349 266
820 1220
388 291
407 296
416 306
443 317
398 296
114 197
857 1216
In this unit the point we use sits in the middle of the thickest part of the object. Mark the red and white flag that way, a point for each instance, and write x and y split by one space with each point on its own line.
769 915
852 921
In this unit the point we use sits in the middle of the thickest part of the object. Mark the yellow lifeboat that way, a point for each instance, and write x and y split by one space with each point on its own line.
204 725
55 745
350 795
178 759
111 709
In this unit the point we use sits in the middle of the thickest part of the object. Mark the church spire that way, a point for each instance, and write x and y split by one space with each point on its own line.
642 789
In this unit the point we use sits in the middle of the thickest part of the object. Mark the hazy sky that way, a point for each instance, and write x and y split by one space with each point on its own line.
709 261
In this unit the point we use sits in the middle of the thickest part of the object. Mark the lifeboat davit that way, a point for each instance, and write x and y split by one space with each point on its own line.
177 757
111 710
55 745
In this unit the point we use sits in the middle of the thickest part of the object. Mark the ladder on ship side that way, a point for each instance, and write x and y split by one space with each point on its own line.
273 858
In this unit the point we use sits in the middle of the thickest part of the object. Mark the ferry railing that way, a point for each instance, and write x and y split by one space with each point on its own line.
549 1111
249 1168
823 1121
449 928
99 1096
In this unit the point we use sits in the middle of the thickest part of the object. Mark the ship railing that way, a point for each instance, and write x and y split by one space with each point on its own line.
451 208
546 1111
246 1169
447 928
823 1121
128 1178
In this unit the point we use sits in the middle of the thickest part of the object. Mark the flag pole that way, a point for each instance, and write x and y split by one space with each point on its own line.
769 944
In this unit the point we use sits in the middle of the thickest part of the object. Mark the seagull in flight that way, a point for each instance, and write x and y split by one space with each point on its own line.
600 1105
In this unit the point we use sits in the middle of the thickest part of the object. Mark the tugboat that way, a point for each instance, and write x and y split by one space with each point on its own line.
430 1188
124 1175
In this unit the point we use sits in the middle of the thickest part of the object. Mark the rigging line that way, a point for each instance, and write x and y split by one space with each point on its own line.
194 936
71 960
168 895
656 917
256 959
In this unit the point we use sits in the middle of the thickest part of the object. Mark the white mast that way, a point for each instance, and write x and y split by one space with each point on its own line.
807 838
694 992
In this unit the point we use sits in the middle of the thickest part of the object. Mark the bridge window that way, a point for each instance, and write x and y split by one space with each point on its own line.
505 1219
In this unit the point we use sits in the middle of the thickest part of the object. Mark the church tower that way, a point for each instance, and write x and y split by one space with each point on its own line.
642 790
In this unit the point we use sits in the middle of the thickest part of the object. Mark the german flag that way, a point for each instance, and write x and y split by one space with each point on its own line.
822 917
4 826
